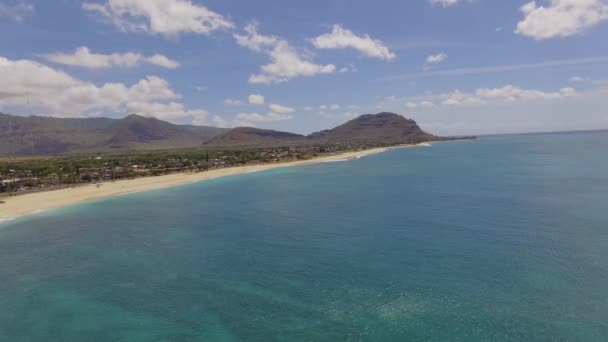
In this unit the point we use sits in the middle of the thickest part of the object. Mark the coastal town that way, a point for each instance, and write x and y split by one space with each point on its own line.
24 175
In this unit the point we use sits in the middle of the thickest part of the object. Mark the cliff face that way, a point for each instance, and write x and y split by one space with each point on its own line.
382 127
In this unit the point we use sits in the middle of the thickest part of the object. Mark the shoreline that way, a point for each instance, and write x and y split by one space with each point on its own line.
32 203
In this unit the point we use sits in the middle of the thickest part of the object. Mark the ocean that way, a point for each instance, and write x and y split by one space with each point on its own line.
504 238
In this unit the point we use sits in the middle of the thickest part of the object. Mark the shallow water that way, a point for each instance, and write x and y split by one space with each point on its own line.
504 238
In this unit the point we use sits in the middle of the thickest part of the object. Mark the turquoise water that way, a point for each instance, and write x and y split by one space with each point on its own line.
504 238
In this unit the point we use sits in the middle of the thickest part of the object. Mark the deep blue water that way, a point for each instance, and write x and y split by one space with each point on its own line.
504 238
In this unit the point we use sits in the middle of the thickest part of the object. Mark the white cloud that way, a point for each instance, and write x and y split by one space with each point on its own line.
25 83
340 116
427 104
16 12
349 68
166 17
479 97
171 111
256 99
568 92
561 18
578 79
233 102
447 3
249 119
438 58
341 38
162 61
286 62
333 107
434 59
83 57
541 115
308 108
280 109
276 113
253 40
218 121
500 68
507 93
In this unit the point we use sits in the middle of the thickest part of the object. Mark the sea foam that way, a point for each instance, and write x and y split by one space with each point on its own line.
4 220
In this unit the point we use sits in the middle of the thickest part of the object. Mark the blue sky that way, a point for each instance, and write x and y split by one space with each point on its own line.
455 66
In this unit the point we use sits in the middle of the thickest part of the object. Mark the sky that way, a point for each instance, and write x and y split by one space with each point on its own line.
455 66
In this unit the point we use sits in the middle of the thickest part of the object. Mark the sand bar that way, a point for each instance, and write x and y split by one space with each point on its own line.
20 205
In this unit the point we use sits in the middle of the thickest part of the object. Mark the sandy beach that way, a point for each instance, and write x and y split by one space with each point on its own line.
20 205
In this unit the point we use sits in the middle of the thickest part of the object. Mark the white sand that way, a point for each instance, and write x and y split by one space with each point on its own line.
25 204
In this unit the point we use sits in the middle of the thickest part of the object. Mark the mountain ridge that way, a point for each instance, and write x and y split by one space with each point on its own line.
38 135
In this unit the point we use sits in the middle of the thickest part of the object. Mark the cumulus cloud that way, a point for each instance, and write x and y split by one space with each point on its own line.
561 18
276 113
578 79
254 40
500 68
171 111
233 102
427 104
250 119
280 109
83 57
507 93
286 61
218 121
438 58
479 97
341 38
256 99
162 61
340 116
29 83
165 17
330 107
350 68
17 11
434 59
447 3
497 116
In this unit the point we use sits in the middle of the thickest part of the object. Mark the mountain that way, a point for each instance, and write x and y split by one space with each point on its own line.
137 132
249 136
37 135
375 128
382 128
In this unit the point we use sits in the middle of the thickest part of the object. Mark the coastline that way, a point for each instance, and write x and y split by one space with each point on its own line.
26 204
